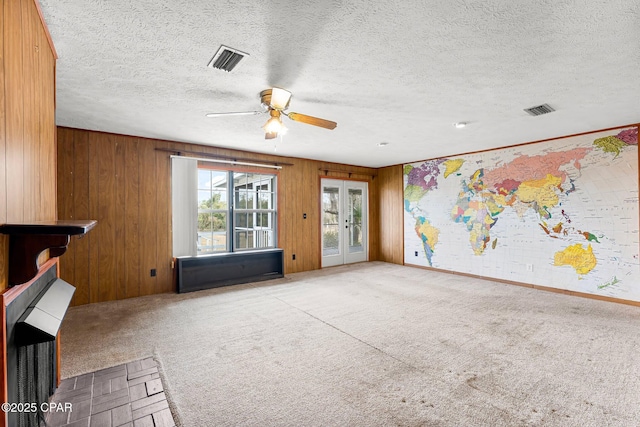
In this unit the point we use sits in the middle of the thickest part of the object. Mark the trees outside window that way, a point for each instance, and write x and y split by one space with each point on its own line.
246 220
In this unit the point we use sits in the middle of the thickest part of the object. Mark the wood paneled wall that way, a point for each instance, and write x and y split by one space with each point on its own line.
124 183
391 201
27 123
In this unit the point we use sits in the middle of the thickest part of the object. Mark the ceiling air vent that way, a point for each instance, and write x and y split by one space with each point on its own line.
226 58
539 110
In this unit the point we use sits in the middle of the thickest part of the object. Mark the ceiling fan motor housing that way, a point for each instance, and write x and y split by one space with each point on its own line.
276 98
265 98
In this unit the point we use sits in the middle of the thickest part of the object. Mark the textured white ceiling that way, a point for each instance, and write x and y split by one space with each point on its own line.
395 71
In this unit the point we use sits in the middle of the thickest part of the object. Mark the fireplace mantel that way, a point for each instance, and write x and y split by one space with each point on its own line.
28 240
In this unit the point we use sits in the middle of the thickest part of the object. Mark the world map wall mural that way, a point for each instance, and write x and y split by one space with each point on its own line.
561 214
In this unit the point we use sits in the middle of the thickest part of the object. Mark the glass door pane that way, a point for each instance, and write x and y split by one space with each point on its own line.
356 215
331 235
354 220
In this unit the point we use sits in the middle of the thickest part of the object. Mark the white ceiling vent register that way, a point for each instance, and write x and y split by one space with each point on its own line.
226 58
539 110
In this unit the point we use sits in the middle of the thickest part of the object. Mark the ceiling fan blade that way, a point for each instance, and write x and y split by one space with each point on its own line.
237 113
310 120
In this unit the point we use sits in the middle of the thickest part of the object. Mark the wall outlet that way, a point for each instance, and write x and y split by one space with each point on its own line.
416 253
153 272
293 257
530 268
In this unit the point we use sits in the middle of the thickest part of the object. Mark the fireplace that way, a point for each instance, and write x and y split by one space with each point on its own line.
32 312
36 382
31 346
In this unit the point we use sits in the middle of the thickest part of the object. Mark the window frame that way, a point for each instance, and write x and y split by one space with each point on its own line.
213 211
232 210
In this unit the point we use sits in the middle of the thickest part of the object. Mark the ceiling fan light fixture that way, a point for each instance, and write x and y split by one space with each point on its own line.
274 125
280 98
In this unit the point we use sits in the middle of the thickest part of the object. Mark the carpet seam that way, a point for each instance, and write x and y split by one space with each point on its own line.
349 335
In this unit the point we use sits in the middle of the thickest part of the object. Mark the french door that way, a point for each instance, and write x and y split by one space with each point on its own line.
344 222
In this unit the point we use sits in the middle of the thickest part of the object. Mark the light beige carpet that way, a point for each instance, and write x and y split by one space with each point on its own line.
373 344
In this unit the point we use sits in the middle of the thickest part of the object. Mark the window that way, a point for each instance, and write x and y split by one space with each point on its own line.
235 210
213 211
247 223
254 210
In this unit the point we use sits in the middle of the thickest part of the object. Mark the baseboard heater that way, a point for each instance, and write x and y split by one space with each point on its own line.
214 271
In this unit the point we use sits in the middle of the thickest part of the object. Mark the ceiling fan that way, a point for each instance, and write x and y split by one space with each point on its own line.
275 101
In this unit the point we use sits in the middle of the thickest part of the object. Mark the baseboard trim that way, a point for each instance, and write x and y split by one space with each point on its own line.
529 285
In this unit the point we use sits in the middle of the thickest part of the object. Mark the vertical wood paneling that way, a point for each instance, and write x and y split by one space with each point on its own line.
313 250
39 64
65 137
106 149
30 115
66 194
293 223
14 107
4 261
391 202
374 220
300 224
80 247
132 219
163 203
148 217
4 240
120 236
40 201
48 165
94 213
288 210
32 107
3 140
284 203
309 227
